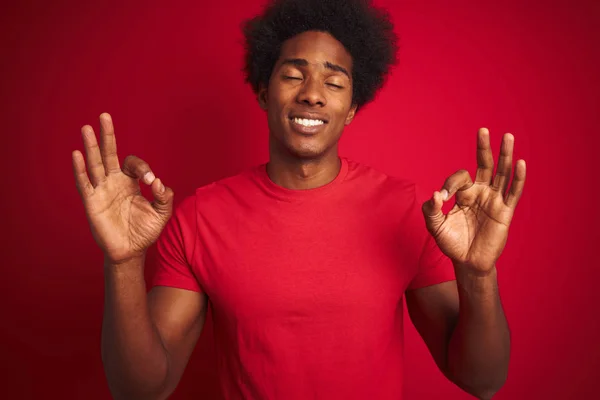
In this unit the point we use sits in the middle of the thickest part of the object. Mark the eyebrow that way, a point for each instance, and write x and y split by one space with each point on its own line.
300 62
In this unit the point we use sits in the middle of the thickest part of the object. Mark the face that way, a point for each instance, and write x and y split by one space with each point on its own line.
309 96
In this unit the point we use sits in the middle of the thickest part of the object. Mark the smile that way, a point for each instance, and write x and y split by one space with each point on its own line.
308 122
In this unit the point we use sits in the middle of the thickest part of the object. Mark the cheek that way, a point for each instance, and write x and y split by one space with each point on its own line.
342 107
278 95
276 112
277 106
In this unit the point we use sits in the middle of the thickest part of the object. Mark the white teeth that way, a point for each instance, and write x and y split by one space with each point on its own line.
308 122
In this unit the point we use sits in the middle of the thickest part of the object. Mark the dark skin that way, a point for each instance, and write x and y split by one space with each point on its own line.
311 79
147 339
463 323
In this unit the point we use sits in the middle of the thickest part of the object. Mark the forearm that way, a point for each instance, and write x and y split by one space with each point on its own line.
479 349
135 361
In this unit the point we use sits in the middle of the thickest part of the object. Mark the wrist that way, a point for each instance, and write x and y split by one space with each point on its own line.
131 263
476 280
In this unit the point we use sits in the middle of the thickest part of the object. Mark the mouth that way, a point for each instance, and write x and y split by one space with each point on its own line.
307 122
307 126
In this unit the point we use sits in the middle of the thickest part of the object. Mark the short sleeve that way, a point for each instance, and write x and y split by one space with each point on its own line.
433 266
175 249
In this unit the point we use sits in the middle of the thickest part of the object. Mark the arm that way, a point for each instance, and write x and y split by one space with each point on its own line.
464 328
147 339
463 323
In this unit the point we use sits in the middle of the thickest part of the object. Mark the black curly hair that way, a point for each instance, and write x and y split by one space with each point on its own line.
365 31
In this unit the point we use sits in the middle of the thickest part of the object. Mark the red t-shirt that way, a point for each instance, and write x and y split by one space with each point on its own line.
305 286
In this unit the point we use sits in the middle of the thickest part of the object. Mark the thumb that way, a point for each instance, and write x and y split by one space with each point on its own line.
163 198
432 211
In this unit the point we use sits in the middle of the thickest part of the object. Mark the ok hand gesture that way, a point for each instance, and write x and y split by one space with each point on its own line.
123 223
474 232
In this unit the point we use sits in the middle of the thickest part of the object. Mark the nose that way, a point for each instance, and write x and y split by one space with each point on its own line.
311 93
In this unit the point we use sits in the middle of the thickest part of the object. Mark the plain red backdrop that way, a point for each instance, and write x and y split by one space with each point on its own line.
171 77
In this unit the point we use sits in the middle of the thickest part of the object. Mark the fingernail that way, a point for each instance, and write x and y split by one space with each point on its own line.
161 189
444 194
149 177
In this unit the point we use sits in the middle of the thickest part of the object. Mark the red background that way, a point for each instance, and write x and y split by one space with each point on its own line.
170 76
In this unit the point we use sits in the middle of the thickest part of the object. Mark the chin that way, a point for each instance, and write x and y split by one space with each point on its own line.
306 152
299 147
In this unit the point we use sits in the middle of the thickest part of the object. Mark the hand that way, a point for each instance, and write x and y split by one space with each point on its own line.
475 230
123 223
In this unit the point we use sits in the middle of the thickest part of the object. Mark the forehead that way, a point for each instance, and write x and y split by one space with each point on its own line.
316 47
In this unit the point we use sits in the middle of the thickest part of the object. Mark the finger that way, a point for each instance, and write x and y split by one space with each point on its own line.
504 169
84 186
94 158
163 198
460 180
137 168
432 211
485 158
518 183
108 144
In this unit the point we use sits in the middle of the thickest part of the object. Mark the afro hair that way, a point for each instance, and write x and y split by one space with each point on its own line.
366 32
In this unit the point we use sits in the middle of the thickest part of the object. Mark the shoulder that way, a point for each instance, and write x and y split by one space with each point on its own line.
382 184
219 192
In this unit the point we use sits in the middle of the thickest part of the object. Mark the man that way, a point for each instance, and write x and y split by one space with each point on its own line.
305 260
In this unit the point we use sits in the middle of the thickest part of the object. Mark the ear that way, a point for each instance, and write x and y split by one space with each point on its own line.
263 96
351 114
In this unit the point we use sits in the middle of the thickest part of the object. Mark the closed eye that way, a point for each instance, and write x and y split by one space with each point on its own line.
335 86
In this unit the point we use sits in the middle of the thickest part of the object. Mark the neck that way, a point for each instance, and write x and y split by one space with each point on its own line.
301 174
